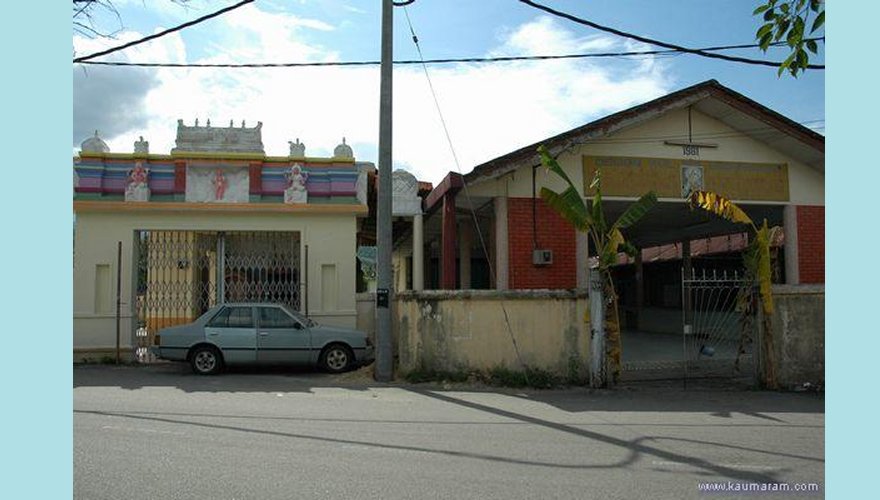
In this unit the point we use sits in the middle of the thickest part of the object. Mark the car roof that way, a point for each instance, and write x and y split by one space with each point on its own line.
252 304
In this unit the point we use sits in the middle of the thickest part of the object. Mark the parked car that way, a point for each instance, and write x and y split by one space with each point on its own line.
253 333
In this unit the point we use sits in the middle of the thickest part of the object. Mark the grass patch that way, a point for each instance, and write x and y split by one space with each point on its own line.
499 376
422 376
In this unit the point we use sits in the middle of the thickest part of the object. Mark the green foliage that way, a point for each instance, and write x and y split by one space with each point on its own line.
607 240
788 20
498 376
426 375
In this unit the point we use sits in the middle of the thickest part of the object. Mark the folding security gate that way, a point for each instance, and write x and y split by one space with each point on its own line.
181 274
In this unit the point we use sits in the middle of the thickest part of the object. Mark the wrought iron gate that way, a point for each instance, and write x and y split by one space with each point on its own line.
181 274
719 324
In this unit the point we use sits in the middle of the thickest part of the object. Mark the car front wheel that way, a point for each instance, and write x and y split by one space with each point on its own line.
206 360
337 358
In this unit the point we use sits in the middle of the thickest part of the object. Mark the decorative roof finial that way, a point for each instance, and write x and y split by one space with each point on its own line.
343 150
297 149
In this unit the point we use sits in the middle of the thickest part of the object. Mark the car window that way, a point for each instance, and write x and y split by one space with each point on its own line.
233 317
274 317
309 322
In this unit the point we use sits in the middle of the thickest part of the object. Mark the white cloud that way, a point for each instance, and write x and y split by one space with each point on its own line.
491 109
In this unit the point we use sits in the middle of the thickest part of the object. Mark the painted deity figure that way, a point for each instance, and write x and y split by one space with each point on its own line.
220 184
296 185
138 188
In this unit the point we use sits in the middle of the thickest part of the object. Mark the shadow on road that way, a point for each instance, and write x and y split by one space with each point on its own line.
234 379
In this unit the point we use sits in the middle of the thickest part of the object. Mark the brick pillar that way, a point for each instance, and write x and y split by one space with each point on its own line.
792 263
255 179
179 180
447 251
811 243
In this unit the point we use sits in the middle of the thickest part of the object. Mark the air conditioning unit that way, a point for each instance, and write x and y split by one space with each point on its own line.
542 257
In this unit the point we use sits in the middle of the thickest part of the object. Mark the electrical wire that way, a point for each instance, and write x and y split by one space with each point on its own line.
162 33
410 61
652 41
492 274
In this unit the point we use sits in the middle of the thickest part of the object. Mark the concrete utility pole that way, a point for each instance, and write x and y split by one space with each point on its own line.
383 371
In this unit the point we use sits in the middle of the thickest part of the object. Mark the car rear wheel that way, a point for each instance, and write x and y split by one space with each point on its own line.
206 360
337 358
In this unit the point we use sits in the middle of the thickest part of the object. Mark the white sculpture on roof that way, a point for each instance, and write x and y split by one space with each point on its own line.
219 139
141 146
297 149
94 145
343 151
296 185
405 199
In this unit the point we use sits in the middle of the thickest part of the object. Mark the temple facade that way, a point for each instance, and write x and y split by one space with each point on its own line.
160 238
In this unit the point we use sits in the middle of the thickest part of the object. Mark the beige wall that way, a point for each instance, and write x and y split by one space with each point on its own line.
330 238
449 330
806 185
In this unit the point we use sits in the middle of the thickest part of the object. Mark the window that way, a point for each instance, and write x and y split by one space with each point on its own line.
274 317
233 317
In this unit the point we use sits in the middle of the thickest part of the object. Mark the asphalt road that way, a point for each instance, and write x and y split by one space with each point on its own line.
162 433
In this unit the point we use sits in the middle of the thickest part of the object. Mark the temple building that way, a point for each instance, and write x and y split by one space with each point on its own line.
166 236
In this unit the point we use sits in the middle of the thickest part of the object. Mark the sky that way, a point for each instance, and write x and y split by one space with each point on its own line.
489 109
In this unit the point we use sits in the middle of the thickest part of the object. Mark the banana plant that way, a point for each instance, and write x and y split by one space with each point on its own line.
608 240
758 263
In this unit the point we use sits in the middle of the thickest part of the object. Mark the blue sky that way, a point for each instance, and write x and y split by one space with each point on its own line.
490 109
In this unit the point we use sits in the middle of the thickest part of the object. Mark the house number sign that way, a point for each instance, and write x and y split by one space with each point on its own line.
690 150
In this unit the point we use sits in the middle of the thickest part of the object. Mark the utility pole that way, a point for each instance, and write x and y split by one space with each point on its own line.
383 369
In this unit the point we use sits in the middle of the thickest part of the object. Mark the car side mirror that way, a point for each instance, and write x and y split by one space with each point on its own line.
297 326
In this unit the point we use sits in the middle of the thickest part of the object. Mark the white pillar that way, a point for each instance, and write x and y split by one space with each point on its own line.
582 247
501 244
418 253
401 271
789 225
466 237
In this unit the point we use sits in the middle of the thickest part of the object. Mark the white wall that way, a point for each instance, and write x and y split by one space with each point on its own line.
330 238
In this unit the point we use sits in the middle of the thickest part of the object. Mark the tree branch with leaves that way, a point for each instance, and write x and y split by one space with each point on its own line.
788 20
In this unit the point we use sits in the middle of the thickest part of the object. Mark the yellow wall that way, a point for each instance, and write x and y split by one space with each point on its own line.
806 185
466 330
330 238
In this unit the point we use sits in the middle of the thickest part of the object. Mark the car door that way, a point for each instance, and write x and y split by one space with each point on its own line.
234 331
281 338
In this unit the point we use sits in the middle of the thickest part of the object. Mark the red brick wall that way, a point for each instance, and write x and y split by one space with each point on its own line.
554 233
811 243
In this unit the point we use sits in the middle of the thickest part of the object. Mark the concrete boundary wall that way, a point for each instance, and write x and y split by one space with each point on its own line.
453 330
799 334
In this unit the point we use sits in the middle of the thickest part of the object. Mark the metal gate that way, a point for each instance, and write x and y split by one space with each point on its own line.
181 274
719 324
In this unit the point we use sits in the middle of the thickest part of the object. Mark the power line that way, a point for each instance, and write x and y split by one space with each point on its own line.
413 61
466 192
160 34
699 52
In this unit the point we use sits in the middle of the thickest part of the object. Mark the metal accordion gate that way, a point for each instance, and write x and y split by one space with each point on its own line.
182 274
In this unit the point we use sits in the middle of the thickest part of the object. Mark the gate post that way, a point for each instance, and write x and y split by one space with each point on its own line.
597 329
221 267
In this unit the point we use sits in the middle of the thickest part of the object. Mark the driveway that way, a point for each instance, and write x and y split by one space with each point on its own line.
161 432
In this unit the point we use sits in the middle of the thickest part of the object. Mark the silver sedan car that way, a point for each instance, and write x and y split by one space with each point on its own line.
254 333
